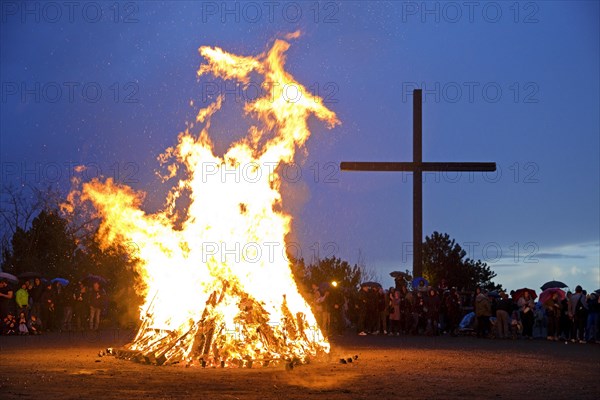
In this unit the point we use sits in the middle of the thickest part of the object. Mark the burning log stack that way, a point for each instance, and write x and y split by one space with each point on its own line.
210 342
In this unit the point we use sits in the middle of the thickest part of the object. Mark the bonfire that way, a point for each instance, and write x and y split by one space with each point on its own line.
217 284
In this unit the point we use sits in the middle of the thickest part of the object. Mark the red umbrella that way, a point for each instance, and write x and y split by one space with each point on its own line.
519 293
548 293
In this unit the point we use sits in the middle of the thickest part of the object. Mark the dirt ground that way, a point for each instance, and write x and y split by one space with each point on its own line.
67 366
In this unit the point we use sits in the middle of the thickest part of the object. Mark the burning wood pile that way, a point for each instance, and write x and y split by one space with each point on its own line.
204 304
210 342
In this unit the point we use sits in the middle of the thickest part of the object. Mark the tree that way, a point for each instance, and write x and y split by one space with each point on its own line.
40 235
46 247
325 271
443 258
335 269
19 205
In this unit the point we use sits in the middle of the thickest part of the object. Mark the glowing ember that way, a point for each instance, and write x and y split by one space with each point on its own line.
218 287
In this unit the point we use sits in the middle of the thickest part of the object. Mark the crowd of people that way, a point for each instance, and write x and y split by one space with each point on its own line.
37 306
426 310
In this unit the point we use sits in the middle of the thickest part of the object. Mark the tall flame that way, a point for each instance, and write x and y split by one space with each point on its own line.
217 283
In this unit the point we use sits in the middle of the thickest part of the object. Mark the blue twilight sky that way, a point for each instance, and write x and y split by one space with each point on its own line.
514 83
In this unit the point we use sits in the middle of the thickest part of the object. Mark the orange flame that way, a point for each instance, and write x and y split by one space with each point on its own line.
217 283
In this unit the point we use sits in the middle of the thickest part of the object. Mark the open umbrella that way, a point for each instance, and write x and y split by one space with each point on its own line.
9 277
90 279
520 292
417 281
548 293
371 284
62 281
25 276
400 275
553 284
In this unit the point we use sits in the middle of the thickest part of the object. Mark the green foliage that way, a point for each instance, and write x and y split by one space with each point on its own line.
443 258
46 247
50 248
348 278
328 270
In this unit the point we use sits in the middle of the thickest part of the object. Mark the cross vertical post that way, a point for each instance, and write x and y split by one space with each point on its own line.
417 182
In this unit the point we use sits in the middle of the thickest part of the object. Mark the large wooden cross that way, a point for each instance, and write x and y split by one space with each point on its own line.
417 166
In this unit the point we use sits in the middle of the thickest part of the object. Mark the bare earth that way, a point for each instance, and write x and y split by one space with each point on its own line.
67 366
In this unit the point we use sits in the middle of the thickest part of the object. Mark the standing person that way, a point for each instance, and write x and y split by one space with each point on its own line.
395 313
483 311
504 308
382 311
69 307
336 305
404 305
60 301
6 295
372 310
80 306
565 320
48 309
318 307
453 304
591 330
552 308
418 314
22 299
323 301
578 314
29 299
432 304
388 299
526 306
35 294
362 304
97 299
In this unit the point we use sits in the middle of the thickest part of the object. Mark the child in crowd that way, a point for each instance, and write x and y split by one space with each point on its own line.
10 324
35 326
23 330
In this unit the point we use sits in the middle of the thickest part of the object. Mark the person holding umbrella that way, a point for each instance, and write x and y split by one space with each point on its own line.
363 301
6 295
553 307
526 306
